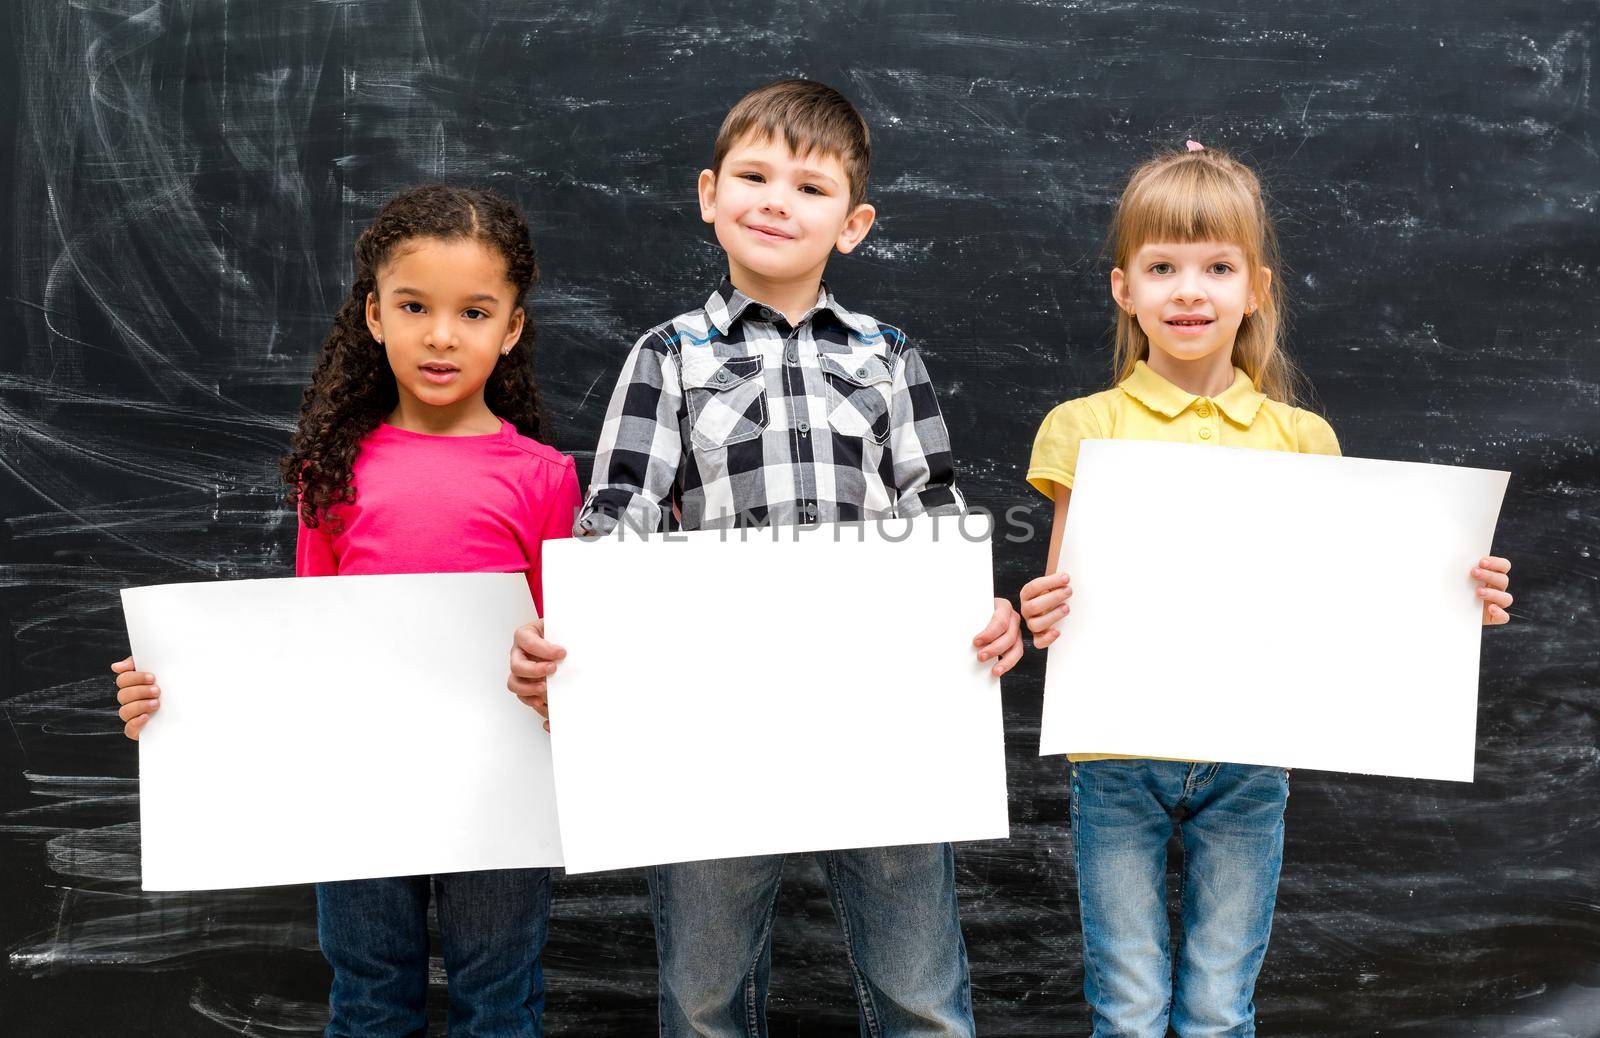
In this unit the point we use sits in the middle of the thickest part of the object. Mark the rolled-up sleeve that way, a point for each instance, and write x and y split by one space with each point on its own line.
636 461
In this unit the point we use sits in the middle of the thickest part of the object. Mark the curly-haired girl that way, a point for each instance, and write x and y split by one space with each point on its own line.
414 454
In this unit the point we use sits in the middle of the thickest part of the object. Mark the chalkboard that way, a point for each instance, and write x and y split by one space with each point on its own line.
185 184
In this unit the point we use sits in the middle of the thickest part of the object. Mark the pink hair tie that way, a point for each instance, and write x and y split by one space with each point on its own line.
1194 145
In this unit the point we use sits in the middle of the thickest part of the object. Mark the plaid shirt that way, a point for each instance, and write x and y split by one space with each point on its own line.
728 416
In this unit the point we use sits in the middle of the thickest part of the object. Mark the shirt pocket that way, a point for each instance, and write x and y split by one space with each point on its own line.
726 399
859 388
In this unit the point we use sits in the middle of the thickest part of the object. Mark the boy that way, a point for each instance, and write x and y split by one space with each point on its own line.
773 403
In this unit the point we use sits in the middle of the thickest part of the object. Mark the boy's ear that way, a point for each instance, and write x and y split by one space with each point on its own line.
1120 293
513 333
374 325
708 195
856 226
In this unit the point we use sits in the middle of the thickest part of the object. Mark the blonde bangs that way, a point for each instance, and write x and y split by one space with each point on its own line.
1184 203
1184 197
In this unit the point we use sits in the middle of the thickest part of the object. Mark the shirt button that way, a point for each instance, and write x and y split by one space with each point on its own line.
722 376
1205 434
791 355
768 314
809 511
804 427
861 373
1203 411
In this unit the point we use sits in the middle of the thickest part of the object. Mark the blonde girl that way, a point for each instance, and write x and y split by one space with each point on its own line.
1199 359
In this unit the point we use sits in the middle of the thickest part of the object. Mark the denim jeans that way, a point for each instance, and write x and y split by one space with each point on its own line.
492 926
1230 818
902 939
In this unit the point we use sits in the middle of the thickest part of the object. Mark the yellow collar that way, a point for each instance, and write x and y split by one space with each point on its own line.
1239 402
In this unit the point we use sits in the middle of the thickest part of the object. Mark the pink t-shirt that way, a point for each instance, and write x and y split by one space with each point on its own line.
446 504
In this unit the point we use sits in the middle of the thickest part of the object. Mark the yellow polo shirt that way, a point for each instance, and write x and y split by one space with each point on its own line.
1145 406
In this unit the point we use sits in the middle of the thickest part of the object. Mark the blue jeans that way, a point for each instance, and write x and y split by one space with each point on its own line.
902 938
1230 817
492 926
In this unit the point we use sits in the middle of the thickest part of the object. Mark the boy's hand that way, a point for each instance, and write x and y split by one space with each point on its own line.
1044 605
533 660
1002 638
138 694
1493 576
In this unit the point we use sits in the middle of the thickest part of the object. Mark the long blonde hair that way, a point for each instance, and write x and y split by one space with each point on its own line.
1190 196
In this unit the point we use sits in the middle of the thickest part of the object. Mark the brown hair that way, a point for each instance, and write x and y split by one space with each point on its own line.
811 117
352 387
1190 196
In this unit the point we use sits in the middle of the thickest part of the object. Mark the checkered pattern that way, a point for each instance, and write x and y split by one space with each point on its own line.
727 416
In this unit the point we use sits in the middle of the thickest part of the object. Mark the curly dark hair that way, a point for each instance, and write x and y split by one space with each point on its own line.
352 388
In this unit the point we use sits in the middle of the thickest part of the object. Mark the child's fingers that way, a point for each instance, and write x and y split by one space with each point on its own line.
1036 586
1043 641
538 702
138 693
523 667
1040 624
122 665
539 649
1009 658
1009 636
1042 603
1045 603
135 726
1494 615
1495 598
521 687
142 708
1492 578
1495 563
131 678
530 641
1042 585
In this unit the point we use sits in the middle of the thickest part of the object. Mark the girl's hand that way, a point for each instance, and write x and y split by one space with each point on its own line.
1493 576
533 660
1044 605
1002 638
138 694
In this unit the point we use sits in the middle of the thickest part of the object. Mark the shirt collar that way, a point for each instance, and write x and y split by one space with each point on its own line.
1242 400
727 304
1239 402
865 327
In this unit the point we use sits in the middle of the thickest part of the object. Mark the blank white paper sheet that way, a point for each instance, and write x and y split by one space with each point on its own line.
1263 607
329 728
780 690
